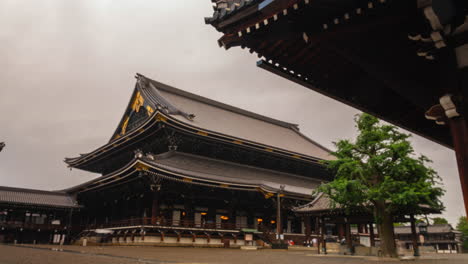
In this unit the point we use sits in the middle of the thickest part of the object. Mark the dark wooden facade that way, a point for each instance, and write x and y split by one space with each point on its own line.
33 216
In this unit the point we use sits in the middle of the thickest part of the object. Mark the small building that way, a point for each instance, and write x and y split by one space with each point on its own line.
443 238
34 216
356 226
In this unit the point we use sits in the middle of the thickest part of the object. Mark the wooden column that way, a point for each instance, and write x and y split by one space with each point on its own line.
459 125
308 229
278 216
341 231
317 226
371 235
459 130
349 242
317 233
324 231
360 229
155 208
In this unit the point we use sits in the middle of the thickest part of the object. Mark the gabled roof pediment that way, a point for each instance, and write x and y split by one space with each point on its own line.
144 101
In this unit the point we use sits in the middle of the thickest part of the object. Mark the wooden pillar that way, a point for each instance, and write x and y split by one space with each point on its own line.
349 242
360 229
341 231
278 217
459 130
125 208
371 234
324 231
366 230
317 233
155 208
69 225
308 228
317 226
459 125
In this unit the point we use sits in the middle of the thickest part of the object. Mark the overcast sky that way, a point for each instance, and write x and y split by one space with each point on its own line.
67 72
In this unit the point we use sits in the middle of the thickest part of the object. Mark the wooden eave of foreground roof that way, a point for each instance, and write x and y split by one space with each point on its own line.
330 51
145 167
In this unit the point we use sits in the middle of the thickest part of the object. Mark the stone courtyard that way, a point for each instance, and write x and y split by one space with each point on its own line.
46 254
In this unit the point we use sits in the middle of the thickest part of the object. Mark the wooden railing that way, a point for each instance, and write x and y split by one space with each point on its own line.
148 221
19 224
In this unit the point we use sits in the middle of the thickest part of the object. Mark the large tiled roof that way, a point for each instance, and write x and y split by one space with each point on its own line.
232 121
213 172
29 197
232 173
213 117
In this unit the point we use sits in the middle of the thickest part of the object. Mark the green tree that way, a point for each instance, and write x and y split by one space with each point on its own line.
380 172
462 226
439 221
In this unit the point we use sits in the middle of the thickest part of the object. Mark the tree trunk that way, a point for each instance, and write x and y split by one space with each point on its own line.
387 237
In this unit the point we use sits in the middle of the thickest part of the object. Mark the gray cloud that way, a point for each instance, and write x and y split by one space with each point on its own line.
67 72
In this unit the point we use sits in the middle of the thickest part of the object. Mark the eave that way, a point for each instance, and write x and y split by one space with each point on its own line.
159 119
144 167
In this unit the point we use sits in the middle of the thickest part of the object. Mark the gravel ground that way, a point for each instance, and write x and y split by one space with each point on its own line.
159 255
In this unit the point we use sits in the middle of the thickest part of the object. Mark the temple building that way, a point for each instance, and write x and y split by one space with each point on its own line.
440 238
33 216
181 168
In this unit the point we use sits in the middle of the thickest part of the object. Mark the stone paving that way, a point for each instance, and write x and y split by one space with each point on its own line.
29 254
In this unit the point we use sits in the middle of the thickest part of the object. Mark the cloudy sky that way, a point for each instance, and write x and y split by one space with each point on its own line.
67 71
